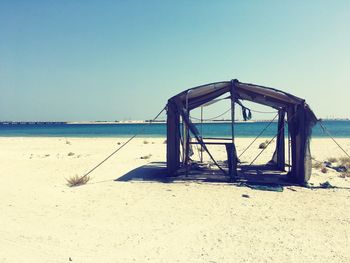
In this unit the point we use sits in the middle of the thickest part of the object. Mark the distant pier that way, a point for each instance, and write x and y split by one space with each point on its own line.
30 122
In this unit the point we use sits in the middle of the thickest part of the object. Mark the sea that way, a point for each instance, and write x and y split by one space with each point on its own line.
338 129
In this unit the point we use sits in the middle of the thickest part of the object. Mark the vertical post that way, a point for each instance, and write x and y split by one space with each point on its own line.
280 147
186 135
232 160
173 138
230 157
201 134
233 117
301 144
184 142
289 146
292 127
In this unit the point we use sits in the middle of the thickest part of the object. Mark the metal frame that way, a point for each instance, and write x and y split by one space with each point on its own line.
299 117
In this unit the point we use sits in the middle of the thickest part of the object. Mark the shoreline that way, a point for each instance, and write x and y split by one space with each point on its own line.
137 122
153 137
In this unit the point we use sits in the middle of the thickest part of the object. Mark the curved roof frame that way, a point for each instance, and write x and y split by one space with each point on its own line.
200 95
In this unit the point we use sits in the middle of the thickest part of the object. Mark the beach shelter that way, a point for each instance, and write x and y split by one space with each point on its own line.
293 113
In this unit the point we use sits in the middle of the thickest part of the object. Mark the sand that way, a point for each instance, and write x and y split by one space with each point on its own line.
43 220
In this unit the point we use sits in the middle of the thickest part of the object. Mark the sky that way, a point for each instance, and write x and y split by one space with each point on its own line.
118 60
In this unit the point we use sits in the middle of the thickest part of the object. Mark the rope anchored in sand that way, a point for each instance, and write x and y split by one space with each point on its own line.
77 181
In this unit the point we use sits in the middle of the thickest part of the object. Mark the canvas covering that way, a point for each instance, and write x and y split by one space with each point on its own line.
300 120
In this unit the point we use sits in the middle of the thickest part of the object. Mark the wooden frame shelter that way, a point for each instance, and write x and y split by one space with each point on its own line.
291 110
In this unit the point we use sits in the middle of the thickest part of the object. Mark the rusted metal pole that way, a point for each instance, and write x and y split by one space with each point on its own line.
233 118
232 155
202 133
289 146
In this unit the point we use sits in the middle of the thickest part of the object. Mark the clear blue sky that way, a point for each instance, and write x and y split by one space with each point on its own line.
108 60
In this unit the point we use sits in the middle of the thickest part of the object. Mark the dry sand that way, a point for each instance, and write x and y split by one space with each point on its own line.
43 220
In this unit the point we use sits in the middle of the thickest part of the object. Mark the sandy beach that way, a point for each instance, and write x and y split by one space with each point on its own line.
44 220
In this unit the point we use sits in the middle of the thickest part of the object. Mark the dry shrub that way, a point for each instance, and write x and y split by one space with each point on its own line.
145 142
324 170
317 165
70 154
146 157
345 161
77 180
332 160
263 145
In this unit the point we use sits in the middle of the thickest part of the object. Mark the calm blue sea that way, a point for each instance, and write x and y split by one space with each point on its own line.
336 128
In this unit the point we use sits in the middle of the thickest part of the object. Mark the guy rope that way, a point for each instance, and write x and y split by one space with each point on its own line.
124 144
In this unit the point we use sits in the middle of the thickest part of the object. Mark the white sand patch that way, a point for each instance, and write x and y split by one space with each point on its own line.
43 220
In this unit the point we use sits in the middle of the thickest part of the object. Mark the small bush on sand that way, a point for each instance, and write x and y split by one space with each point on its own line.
68 142
324 170
332 160
146 157
345 161
263 145
70 154
317 165
77 180
145 142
